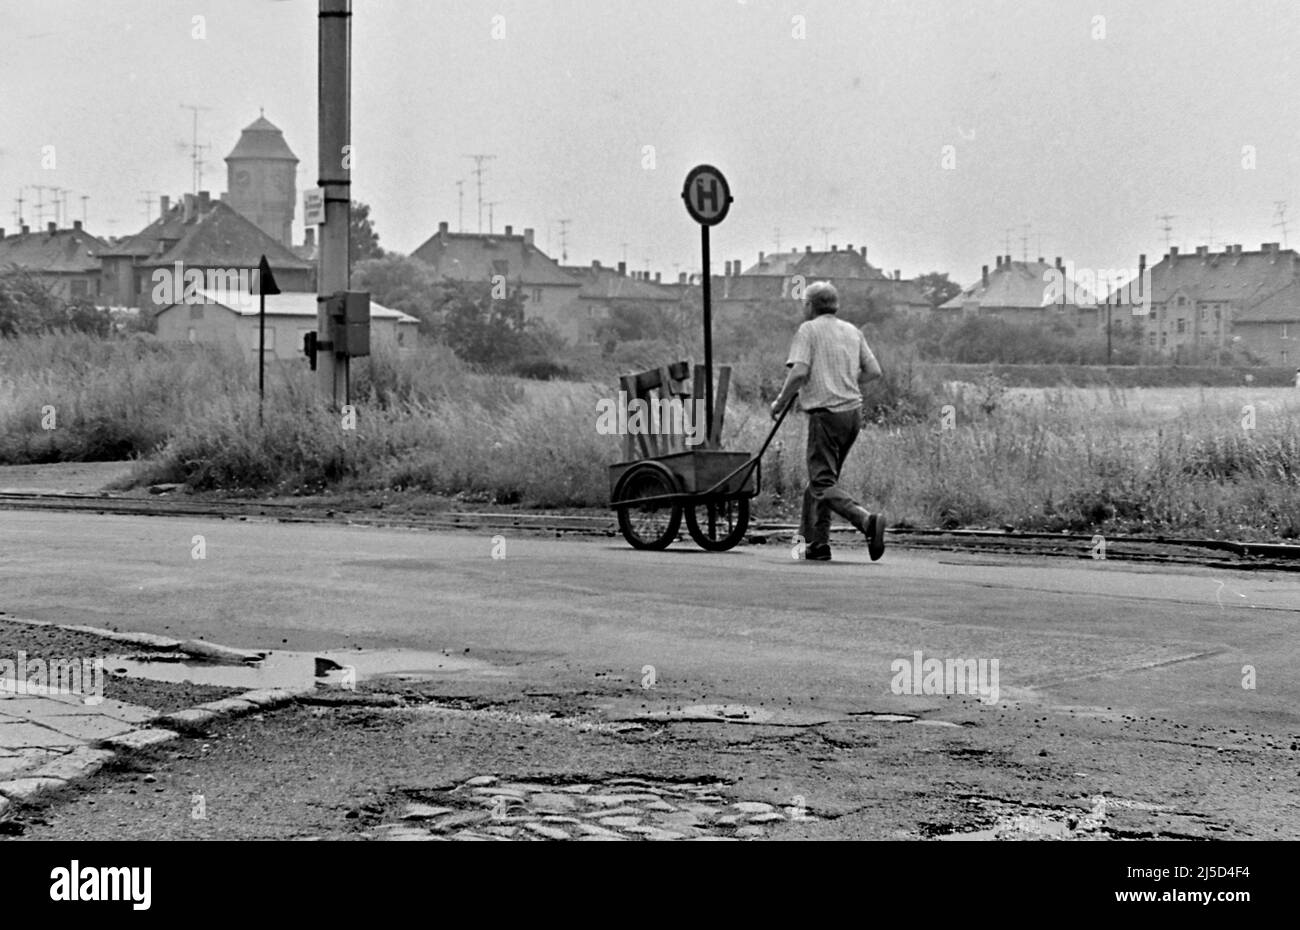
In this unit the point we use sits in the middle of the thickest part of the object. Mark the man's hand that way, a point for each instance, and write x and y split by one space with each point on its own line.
776 408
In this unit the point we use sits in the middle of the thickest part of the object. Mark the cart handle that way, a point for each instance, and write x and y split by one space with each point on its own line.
753 463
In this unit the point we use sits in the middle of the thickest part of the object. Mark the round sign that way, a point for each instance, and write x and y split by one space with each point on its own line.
707 196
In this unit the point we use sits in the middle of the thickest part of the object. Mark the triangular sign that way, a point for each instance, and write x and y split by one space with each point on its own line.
265 280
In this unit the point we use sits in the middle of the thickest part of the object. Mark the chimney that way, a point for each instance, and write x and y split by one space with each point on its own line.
622 268
528 236
658 275
807 248
26 229
1200 251
1173 251
76 224
205 200
681 277
864 253
309 237
1059 266
834 247
2 232
442 228
1040 260
166 203
760 258
898 274
986 276
998 263
188 208
1008 261
849 247
52 226
510 230
595 265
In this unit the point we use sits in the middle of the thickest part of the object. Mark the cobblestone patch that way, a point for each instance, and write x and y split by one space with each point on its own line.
486 807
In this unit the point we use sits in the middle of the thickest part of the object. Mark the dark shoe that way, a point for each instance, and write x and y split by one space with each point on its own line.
817 553
876 536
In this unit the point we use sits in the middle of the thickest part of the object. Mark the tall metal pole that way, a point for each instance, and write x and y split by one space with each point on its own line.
708 337
261 351
333 270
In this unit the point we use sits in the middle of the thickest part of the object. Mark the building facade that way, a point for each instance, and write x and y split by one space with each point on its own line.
66 261
261 180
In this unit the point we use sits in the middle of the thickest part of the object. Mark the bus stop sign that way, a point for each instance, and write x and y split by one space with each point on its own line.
707 196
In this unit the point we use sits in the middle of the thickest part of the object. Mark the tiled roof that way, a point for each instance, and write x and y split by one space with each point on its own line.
262 139
214 236
601 283
1279 307
477 257
1015 285
288 303
64 251
1245 277
846 263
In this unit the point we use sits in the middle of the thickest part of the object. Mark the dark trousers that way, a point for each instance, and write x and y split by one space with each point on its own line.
830 437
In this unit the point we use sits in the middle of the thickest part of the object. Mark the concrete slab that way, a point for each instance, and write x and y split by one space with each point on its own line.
19 735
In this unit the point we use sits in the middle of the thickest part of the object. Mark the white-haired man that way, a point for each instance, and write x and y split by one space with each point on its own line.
829 364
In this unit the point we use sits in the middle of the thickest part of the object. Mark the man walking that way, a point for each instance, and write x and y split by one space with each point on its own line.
829 364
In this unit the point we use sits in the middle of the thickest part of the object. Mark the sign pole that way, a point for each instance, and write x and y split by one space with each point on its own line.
708 336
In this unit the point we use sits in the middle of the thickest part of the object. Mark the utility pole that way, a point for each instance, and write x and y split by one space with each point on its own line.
335 180
479 159
195 148
460 206
564 239
1281 218
1167 227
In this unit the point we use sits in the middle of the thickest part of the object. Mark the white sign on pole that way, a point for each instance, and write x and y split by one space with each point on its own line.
313 207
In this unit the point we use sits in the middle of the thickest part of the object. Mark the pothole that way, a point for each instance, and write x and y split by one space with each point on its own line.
341 668
629 808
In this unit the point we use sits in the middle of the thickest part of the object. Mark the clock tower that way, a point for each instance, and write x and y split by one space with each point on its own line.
261 180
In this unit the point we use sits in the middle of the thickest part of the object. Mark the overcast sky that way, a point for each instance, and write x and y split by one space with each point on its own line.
1086 130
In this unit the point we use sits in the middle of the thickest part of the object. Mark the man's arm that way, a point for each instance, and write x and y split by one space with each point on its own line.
869 368
795 379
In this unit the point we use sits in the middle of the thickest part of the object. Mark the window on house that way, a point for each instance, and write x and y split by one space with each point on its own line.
1182 301
1151 339
1164 340
537 295
1182 326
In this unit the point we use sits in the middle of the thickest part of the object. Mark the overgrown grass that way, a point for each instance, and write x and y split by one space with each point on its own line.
1103 460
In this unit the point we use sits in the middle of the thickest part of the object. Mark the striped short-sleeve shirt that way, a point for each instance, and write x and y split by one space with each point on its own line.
835 352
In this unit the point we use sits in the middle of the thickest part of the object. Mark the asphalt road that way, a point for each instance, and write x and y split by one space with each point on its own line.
1171 691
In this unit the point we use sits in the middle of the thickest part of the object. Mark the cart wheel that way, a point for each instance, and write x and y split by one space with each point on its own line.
718 525
651 525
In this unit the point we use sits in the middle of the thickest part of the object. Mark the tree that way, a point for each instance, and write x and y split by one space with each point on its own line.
363 241
937 288
478 328
402 283
28 306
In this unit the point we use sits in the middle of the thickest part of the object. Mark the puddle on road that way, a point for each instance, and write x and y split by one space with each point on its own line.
295 669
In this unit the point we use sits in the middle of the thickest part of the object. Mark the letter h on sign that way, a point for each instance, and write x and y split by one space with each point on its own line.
710 195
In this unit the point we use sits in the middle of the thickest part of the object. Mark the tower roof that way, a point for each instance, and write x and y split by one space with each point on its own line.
262 139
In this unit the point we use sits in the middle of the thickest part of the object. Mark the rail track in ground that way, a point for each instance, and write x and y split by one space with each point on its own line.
1155 549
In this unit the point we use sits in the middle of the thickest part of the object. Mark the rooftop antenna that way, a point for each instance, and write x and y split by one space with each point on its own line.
1024 242
1209 237
20 202
196 150
777 233
826 236
479 159
564 239
1167 227
148 206
1006 241
1281 218
460 201
59 193
624 245
491 223
84 198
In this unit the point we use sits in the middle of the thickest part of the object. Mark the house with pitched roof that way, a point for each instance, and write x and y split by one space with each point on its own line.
231 317
66 261
1205 302
1022 292
197 233
550 294
780 276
